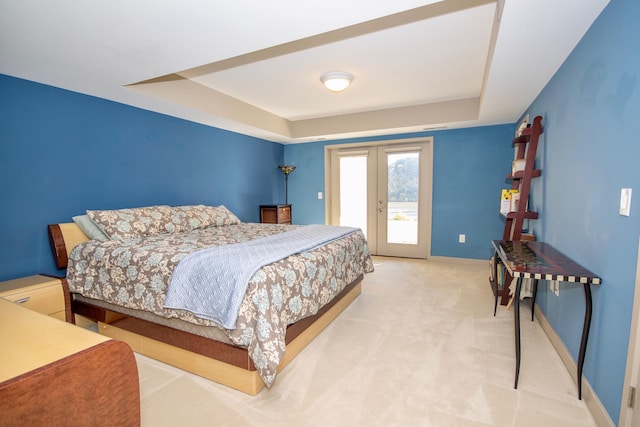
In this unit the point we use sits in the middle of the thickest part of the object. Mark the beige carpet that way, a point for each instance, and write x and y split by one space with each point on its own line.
419 347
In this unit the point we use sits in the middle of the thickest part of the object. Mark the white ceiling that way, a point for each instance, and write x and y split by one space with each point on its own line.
254 66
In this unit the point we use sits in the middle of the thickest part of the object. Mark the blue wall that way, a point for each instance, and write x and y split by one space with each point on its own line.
590 151
469 170
62 153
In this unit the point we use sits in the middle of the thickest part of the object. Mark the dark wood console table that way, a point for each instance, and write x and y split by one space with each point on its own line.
540 261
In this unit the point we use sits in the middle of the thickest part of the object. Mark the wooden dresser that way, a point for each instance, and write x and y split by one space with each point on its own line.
275 214
55 373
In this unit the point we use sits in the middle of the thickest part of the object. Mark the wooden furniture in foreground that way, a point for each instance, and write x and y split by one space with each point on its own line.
214 360
275 214
54 373
526 145
39 293
540 261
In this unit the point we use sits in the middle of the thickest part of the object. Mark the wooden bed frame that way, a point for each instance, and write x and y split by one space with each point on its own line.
214 360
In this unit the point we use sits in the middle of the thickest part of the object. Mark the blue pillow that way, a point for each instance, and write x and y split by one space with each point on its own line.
89 227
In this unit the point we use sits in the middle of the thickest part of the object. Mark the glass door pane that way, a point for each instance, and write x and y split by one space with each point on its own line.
353 192
403 183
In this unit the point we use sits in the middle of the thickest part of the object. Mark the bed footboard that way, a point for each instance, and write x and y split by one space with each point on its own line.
216 361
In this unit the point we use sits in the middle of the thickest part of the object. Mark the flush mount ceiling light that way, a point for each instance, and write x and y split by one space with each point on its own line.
336 81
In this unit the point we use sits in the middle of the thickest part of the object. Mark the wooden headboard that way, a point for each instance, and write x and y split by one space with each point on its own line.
63 238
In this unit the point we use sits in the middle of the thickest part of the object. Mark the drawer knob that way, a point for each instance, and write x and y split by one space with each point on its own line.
22 300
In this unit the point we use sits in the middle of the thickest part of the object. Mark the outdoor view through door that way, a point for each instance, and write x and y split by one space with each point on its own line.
384 190
403 182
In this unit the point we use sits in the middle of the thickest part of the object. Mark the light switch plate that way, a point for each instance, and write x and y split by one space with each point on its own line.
625 201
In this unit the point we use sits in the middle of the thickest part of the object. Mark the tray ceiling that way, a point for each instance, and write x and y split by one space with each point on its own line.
254 67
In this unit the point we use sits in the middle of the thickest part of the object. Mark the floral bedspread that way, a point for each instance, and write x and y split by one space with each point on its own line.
135 274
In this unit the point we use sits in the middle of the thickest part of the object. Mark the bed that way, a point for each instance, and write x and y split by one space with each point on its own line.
126 271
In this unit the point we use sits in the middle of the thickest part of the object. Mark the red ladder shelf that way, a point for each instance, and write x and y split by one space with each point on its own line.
526 145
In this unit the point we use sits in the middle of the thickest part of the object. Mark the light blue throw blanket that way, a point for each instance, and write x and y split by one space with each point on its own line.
211 283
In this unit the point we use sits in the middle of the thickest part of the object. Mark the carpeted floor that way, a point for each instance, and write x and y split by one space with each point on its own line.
419 347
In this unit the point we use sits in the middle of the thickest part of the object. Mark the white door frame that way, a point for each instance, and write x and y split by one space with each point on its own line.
631 416
428 179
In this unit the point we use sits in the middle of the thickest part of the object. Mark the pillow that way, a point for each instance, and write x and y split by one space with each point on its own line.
89 227
201 216
123 224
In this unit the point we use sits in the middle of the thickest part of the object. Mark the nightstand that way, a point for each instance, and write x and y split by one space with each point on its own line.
275 214
38 293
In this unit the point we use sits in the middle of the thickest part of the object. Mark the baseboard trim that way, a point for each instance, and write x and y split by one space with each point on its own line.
594 404
452 260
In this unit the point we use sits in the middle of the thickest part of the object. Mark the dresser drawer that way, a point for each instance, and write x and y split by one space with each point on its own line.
39 293
284 214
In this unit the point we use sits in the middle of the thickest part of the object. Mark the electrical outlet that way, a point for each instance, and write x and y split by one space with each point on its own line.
462 238
319 195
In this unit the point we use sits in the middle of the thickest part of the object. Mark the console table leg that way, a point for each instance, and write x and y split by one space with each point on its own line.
516 317
533 302
585 334
495 285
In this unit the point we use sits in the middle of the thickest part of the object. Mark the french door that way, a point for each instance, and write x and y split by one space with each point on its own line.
386 191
